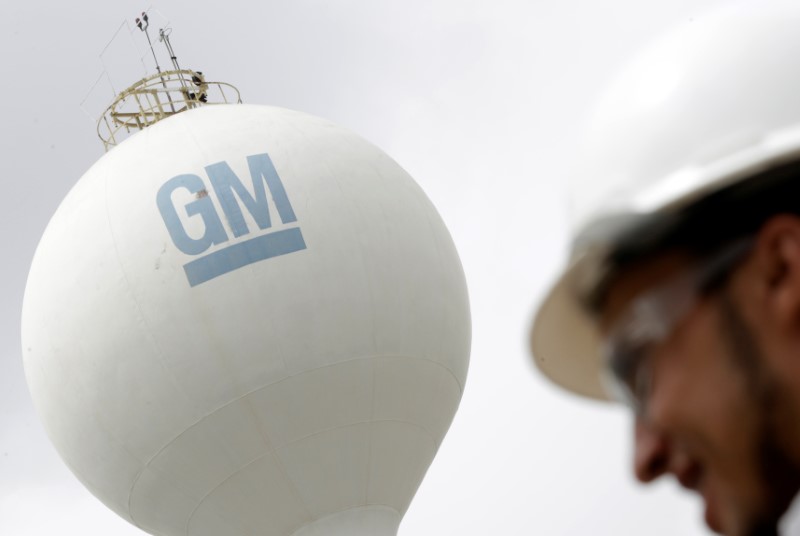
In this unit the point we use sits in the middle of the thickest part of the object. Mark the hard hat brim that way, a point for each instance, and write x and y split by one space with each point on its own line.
565 341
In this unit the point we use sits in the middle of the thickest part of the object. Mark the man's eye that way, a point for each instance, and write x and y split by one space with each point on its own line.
630 365
642 379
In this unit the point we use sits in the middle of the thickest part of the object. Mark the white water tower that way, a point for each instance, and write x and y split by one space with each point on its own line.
244 320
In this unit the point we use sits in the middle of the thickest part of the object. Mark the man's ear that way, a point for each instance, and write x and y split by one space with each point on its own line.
776 265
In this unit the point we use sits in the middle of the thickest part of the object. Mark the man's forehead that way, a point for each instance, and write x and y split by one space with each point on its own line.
637 278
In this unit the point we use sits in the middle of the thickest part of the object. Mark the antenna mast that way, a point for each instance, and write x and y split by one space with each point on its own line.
145 103
143 23
163 35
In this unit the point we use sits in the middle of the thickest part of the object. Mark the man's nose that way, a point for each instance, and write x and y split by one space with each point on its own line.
651 452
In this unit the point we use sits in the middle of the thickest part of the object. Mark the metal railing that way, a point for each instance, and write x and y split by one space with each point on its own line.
157 97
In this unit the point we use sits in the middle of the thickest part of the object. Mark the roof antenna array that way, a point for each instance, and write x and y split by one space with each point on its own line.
163 35
159 95
143 23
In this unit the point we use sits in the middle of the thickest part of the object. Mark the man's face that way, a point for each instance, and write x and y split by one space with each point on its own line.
707 417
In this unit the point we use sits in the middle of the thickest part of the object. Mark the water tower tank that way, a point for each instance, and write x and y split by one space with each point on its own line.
245 320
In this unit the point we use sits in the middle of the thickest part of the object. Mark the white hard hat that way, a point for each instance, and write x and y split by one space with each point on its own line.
711 104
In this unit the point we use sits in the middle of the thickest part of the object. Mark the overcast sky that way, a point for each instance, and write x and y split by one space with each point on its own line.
482 102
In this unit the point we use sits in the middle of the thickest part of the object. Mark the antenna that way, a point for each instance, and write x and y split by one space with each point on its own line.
163 35
143 23
160 95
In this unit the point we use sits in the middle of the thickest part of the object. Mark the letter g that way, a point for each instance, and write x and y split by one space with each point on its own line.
214 231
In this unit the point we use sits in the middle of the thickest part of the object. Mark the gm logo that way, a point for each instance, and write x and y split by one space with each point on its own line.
232 196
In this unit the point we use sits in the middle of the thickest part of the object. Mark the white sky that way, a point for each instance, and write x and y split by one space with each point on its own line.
482 102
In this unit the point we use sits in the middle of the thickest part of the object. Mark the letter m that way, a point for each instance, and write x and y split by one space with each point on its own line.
229 188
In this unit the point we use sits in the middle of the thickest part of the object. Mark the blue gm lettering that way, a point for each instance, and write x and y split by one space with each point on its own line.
232 196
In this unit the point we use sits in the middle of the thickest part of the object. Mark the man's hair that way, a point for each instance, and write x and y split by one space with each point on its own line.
718 219
704 228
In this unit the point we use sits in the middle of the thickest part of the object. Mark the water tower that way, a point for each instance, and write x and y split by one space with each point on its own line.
244 320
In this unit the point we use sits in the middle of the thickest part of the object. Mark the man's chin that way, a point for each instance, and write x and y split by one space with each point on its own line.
711 518
764 529
735 525
741 527
713 513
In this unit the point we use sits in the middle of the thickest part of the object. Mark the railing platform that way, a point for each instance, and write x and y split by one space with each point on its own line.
157 97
